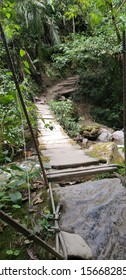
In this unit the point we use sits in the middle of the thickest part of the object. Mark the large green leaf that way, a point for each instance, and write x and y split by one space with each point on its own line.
15 167
16 197
16 183
26 64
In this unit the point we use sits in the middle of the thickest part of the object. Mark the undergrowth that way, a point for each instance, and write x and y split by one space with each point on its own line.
66 114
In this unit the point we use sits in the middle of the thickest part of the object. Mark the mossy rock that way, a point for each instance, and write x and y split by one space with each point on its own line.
106 151
91 131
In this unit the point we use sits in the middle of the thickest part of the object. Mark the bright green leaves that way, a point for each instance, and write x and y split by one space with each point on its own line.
73 11
26 68
95 18
13 253
22 52
11 115
66 114
25 63
27 71
7 16
13 182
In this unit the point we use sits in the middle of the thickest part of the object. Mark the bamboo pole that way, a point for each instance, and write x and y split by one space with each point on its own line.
12 68
29 234
124 99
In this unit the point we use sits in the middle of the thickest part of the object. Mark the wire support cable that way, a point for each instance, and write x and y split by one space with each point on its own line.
59 238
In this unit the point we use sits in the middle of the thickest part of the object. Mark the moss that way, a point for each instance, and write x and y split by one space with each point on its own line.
45 159
91 131
106 151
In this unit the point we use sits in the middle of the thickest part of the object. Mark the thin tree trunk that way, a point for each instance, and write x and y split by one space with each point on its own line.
33 69
73 25
31 64
119 38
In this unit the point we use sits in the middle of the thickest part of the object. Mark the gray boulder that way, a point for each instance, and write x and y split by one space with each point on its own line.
96 210
105 135
118 136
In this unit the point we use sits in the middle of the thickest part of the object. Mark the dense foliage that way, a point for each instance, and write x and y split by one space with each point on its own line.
53 39
93 51
49 39
66 114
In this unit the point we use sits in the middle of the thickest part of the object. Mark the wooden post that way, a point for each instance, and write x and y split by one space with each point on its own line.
124 98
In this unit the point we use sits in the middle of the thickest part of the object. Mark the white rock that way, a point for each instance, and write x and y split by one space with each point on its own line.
84 142
118 136
105 135
76 246
121 150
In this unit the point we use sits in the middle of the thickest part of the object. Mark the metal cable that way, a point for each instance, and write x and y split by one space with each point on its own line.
58 233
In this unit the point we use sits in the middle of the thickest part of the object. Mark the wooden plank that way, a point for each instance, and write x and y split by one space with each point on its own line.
75 164
47 117
58 146
79 169
71 176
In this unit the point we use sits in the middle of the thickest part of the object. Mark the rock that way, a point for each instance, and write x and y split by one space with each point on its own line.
96 210
121 150
118 136
105 135
76 247
106 151
91 131
85 142
78 138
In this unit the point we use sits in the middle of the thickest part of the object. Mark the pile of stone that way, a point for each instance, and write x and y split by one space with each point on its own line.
108 145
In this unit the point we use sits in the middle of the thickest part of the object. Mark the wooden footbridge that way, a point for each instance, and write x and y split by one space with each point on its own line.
66 160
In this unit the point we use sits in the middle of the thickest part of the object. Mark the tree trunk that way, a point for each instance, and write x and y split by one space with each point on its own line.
115 25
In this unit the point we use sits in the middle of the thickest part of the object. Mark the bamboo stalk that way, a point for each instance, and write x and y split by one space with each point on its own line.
29 234
124 98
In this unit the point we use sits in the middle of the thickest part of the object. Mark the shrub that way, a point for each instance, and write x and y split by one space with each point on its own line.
66 114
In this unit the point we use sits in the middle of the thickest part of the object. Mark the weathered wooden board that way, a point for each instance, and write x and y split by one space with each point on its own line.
52 147
70 176
81 168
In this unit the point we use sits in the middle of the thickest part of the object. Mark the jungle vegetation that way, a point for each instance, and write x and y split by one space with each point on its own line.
56 38
49 40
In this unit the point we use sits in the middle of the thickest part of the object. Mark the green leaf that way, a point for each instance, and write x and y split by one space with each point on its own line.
16 183
9 73
15 167
2 194
16 252
9 252
27 71
16 206
26 64
46 211
16 197
7 159
8 15
22 52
